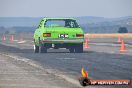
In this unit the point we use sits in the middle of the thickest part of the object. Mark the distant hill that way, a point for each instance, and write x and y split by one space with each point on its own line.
104 25
90 24
19 21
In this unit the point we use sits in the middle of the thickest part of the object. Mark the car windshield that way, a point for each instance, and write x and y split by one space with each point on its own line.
61 23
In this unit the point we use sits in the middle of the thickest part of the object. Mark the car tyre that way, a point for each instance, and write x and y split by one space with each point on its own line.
36 49
71 50
43 49
79 48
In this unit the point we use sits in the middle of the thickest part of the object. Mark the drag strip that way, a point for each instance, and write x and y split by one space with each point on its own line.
100 65
22 73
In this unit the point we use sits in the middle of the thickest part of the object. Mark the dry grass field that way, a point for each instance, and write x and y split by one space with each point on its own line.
113 35
29 36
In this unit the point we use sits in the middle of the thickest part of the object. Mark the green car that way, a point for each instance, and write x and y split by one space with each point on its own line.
58 33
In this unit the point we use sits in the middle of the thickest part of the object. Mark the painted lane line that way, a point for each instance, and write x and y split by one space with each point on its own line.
67 58
21 42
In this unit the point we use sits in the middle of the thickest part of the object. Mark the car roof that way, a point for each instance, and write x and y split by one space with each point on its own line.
58 18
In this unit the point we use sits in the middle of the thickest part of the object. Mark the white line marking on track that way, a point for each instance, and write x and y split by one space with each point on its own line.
21 42
67 58
16 40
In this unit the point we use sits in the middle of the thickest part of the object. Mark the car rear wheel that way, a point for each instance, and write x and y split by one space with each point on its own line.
43 49
79 48
71 49
36 49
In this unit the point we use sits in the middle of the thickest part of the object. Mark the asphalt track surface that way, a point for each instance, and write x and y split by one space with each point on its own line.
15 73
101 61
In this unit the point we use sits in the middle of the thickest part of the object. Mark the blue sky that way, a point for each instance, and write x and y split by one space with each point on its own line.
65 8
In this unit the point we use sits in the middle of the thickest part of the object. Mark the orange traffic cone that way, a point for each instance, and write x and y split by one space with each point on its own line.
4 38
123 48
86 44
12 38
119 39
